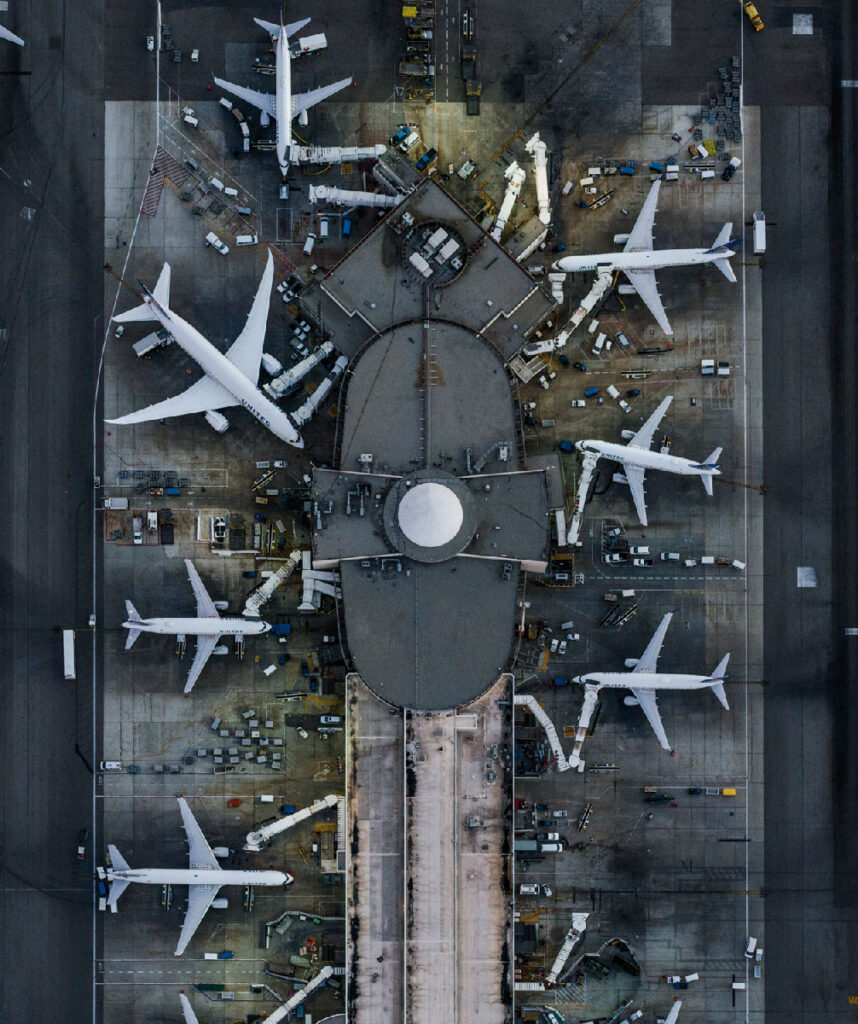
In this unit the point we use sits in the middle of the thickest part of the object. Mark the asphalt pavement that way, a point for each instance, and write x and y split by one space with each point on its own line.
51 118
808 282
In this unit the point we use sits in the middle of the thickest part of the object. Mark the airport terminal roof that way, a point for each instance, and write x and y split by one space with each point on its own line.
431 510
375 284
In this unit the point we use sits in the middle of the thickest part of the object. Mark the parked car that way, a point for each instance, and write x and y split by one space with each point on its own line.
580 366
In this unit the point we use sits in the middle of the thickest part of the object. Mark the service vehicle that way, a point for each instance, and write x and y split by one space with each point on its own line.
212 240
81 843
754 15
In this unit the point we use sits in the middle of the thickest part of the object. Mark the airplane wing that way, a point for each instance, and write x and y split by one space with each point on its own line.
647 701
673 1016
262 100
199 852
203 396
643 437
12 38
643 282
246 351
187 1010
305 100
635 477
205 605
649 658
199 900
640 237
205 646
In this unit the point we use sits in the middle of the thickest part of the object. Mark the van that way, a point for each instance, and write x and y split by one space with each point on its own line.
189 119
612 391
669 556
759 232
311 241
117 503
347 227
216 183
553 848
330 719
600 344
749 949
409 142
622 340
231 192
323 227
138 529
245 211
528 890
591 392
246 240
639 549
151 520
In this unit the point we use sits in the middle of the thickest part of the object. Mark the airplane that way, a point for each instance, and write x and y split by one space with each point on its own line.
230 377
203 877
638 261
208 626
673 1016
644 680
10 36
283 104
636 459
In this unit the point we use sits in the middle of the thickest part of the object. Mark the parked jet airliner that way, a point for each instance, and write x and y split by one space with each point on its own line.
208 627
203 877
636 459
644 680
230 377
283 105
639 262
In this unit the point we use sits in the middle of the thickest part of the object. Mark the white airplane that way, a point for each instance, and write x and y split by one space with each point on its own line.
188 1010
639 262
230 377
673 1016
283 105
10 36
204 877
636 459
208 627
644 680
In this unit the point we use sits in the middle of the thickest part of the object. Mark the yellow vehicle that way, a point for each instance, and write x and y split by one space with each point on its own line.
753 14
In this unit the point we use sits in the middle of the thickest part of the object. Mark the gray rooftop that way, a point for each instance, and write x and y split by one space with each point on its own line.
375 283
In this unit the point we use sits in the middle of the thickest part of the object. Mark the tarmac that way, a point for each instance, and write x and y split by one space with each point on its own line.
685 888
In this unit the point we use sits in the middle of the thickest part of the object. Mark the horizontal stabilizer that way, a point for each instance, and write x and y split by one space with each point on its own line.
117 888
132 613
725 269
117 861
144 312
10 36
269 26
132 636
723 236
719 675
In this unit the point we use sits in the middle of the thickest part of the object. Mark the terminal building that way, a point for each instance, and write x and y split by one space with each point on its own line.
431 514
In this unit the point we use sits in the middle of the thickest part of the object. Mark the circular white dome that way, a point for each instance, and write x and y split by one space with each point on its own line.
430 515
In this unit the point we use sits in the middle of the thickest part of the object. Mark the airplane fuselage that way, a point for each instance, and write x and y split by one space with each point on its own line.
645 680
653 259
200 626
643 457
196 876
219 368
283 102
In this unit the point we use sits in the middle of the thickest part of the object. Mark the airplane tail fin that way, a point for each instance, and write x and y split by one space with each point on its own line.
724 244
718 677
710 463
144 312
117 886
133 616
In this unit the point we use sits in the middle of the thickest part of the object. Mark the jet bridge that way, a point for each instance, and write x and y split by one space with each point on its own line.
261 595
536 710
591 695
588 467
515 176
347 197
575 933
537 148
282 1012
259 839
